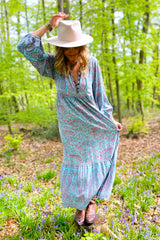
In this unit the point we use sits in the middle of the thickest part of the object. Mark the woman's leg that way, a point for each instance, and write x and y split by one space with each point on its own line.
80 216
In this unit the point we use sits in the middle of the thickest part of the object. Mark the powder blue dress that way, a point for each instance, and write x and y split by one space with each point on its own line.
90 139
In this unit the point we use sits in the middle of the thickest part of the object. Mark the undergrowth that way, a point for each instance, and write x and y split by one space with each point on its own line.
35 205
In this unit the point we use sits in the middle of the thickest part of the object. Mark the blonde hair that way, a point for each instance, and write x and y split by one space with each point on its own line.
62 64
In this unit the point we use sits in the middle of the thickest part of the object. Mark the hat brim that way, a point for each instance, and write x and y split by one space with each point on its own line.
85 39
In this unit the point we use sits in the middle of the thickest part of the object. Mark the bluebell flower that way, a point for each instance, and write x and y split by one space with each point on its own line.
56 226
96 231
126 224
146 226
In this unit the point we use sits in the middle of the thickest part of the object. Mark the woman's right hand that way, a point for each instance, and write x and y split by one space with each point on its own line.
56 18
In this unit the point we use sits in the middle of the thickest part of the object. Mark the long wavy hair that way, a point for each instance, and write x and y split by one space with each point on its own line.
62 64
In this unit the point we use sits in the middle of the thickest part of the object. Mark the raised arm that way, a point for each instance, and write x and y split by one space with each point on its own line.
31 47
55 19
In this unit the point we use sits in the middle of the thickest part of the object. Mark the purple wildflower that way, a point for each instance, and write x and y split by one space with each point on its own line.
29 203
56 226
46 206
33 188
126 224
96 231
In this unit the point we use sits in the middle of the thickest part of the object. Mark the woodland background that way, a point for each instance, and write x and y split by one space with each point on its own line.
126 42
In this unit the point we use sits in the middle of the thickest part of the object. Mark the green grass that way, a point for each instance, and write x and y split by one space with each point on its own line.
46 175
36 206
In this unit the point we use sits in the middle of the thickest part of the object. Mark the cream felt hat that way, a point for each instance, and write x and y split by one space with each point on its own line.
70 35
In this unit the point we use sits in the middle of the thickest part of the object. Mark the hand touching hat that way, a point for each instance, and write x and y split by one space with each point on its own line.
69 33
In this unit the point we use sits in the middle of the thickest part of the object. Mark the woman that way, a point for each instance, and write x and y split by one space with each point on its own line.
88 131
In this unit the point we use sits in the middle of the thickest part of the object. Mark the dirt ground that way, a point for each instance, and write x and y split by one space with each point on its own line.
34 152
36 155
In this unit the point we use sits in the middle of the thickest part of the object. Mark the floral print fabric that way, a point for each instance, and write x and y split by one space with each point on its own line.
89 137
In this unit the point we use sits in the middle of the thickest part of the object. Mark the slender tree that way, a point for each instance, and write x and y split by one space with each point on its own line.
142 56
156 61
60 5
81 12
63 6
66 8
26 16
115 61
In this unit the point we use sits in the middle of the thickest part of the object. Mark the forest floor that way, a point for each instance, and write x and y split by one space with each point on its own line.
35 151
37 156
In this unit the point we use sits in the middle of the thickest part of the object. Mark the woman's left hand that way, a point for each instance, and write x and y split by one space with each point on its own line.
56 18
119 126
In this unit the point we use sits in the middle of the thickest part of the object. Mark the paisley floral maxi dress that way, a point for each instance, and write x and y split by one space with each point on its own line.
89 137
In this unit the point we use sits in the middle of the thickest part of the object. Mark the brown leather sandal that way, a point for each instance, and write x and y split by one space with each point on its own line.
90 212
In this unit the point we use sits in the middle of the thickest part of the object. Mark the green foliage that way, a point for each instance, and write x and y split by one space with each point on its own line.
46 175
50 132
139 189
117 181
13 142
28 98
136 125
38 212
93 236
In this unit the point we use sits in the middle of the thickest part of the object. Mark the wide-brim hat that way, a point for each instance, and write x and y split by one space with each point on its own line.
70 35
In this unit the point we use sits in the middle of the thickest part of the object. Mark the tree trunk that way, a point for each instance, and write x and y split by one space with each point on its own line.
18 25
66 8
133 59
63 6
7 21
81 11
142 58
105 49
128 102
2 41
26 98
21 101
37 17
14 103
133 101
8 103
26 15
115 63
157 68
125 66
49 49
44 21
60 5
2 25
